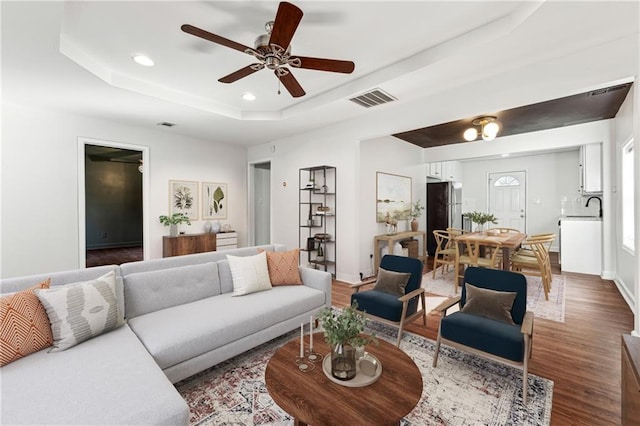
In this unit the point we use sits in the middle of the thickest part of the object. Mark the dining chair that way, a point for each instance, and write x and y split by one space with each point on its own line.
445 251
546 239
456 231
503 230
537 265
482 253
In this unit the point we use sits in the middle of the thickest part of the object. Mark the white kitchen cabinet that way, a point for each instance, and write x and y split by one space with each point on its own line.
434 170
451 171
591 168
581 246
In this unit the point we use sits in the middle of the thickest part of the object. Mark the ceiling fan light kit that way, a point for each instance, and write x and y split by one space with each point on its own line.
489 129
273 51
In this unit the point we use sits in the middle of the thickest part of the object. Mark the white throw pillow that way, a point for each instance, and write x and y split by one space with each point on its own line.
80 311
249 273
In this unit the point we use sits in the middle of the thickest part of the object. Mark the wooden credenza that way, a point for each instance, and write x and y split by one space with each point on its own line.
630 380
188 244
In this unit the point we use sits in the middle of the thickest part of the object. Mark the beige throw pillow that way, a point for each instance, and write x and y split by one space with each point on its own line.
392 282
250 273
489 303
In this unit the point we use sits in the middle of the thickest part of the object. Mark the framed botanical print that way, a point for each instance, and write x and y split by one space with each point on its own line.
393 197
183 198
214 200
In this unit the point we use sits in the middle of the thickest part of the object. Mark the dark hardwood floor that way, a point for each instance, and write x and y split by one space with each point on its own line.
113 256
581 355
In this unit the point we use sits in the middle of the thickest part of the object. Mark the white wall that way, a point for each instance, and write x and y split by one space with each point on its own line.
625 261
287 157
551 178
40 183
388 155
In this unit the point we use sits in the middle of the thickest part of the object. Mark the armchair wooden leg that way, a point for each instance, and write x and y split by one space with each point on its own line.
404 313
437 351
424 309
525 369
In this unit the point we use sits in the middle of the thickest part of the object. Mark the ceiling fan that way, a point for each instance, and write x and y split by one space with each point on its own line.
273 50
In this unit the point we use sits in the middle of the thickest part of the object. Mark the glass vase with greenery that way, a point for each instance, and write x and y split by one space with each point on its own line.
480 218
343 332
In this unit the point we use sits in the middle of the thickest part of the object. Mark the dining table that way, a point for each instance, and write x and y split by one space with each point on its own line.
510 242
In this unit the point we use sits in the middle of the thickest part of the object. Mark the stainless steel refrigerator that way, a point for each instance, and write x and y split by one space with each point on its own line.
444 209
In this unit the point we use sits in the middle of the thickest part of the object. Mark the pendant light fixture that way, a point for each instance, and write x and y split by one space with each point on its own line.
489 128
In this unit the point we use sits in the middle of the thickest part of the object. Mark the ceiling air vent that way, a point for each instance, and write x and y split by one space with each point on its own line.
165 124
373 98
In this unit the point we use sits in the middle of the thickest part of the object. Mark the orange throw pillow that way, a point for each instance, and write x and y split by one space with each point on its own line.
24 324
283 267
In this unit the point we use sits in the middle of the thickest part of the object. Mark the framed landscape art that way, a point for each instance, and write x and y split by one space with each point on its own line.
214 200
183 198
393 197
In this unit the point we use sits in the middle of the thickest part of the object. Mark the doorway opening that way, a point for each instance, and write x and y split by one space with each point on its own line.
260 202
111 203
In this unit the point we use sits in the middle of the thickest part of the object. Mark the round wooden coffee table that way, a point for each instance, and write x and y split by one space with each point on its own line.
312 398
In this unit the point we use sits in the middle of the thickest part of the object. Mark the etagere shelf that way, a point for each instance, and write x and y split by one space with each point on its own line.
317 217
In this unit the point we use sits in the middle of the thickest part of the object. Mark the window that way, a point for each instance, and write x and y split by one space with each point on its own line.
627 196
507 181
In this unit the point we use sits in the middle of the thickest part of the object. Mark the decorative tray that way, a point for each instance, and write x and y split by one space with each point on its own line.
360 380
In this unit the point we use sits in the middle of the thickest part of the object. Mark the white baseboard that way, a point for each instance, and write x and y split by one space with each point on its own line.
608 275
628 297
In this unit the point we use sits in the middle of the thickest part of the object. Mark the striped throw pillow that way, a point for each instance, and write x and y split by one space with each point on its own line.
24 325
80 311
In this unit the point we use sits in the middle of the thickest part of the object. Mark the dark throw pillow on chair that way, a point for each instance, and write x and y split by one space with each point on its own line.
489 303
392 282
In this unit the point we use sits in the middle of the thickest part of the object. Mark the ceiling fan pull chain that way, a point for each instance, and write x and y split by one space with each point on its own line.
278 85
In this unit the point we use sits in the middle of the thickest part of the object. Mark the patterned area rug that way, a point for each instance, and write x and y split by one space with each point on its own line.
552 309
462 390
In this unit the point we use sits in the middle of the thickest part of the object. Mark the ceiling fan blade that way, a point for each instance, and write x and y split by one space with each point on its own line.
241 73
190 29
321 64
287 19
291 84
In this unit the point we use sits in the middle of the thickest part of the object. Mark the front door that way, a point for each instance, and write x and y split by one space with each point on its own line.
507 199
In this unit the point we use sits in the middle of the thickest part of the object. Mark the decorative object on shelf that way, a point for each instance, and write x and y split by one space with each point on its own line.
215 228
310 217
320 255
416 212
480 218
214 200
393 197
183 198
207 227
311 244
325 210
343 333
392 225
322 236
489 129
227 227
173 221
324 189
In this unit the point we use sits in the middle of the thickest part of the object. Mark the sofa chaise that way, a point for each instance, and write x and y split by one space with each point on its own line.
181 318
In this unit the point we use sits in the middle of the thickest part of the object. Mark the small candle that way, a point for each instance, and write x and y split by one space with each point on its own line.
311 334
302 340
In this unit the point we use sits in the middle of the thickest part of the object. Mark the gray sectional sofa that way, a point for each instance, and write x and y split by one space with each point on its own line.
181 319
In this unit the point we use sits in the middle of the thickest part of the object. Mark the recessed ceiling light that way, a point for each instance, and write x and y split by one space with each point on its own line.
506 154
143 60
248 96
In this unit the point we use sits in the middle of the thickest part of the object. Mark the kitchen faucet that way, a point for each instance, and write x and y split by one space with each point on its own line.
600 201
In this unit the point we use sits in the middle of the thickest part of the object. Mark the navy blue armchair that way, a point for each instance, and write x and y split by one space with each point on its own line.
490 326
396 309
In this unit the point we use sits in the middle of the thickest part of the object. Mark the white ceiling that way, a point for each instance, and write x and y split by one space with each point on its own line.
76 56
